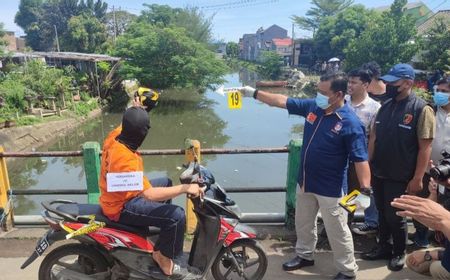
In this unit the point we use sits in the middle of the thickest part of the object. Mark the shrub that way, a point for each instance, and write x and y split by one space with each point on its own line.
83 108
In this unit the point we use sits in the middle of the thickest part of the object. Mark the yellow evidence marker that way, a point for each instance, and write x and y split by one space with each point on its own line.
234 100
348 201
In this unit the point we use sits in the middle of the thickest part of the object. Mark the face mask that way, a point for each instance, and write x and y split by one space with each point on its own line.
322 101
391 90
441 98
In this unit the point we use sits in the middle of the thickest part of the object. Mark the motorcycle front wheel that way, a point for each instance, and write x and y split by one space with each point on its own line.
72 261
243 259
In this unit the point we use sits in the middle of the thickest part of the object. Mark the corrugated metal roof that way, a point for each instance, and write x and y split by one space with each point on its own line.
77 56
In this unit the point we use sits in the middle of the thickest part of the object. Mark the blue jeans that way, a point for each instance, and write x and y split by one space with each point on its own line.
171 219
371 213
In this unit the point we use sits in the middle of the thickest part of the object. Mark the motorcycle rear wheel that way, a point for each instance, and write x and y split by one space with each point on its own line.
74 257
249 256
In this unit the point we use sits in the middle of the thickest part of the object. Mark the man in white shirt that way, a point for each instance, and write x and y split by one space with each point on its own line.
366 109
441 99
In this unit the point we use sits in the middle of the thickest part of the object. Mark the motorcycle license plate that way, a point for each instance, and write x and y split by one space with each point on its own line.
42 246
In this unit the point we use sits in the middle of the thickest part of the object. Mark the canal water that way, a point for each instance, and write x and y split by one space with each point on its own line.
180 114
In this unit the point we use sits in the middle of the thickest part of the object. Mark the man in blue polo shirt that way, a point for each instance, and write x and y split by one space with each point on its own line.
333 135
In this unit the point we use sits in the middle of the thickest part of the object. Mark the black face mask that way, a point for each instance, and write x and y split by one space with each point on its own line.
392 91
135 126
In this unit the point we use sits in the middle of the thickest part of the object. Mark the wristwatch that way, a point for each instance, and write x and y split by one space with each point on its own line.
366 190
255 94
427 257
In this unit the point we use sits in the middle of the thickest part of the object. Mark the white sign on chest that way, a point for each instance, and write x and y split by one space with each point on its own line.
125 181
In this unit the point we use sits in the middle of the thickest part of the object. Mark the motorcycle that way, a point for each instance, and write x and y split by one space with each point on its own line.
109 250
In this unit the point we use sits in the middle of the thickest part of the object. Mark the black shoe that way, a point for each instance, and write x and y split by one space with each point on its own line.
396 263
341 276
297 263
378 253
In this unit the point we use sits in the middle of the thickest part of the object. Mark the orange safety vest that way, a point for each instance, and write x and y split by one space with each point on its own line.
118 158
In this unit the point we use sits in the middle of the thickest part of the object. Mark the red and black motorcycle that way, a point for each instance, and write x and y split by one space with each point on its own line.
109 250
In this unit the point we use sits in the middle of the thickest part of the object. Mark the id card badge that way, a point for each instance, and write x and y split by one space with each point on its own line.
234 100
125 181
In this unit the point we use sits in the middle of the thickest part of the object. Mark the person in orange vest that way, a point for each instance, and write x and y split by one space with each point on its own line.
128 197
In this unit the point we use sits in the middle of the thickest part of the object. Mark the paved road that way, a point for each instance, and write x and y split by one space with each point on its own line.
17 245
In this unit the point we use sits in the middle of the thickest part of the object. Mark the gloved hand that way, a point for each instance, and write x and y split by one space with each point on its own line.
362 201
247 91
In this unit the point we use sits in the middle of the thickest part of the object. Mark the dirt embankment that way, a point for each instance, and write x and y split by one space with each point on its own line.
25 138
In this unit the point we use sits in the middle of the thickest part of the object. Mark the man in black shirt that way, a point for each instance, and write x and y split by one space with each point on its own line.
399 151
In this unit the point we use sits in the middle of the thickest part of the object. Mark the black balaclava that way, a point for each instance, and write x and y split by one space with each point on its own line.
135 126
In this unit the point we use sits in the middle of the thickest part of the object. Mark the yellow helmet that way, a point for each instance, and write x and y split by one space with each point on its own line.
147 97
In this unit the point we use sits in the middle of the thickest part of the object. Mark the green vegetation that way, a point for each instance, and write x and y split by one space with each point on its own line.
271 64
164 47
83 108
75 21
320 10
37 83
169 47
388 41
437 45
232 50
2 42
335 33
357 35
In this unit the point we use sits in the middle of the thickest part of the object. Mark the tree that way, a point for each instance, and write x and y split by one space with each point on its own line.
191 19
271 63
336 32
320 10
85 33
2 42
167 57
436 53
232 49
40 18
29 12
97 9
389 41
118 21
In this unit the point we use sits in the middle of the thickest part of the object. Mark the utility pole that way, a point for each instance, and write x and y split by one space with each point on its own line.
57 40
293 45
115 24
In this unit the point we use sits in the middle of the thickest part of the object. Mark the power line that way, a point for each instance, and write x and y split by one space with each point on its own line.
432 10
243 5
228 4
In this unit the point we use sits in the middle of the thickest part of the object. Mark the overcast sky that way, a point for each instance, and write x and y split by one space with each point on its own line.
232 18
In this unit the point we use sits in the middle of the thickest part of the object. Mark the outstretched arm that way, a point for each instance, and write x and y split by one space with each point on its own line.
272 99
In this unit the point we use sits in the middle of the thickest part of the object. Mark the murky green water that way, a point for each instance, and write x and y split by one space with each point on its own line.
180 115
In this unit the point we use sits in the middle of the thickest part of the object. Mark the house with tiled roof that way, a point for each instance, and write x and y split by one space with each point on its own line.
418 10
283 47
252 45
430 22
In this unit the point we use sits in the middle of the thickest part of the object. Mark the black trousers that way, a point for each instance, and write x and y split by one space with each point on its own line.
389 223
424 193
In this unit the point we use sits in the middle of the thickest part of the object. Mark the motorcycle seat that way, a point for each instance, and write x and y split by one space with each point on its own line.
80 212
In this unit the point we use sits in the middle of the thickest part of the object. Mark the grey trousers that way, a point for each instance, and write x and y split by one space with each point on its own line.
335 220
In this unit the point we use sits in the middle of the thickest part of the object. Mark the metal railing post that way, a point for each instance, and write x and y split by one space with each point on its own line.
295 147
91 156
191 152
6 207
